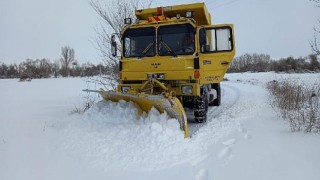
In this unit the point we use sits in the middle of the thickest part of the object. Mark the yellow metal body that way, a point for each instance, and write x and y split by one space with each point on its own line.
202 15
212 66
196 70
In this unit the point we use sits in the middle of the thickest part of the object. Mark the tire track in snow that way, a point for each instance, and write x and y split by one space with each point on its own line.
230 96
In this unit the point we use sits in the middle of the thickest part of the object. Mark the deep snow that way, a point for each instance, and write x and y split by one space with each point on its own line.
243 139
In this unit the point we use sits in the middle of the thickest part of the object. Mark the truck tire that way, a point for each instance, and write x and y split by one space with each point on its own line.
216 102
201 108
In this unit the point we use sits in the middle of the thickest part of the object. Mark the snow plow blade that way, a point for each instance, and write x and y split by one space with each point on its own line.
171 105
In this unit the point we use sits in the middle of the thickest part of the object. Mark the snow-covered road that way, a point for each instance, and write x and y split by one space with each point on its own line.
230 96
243 139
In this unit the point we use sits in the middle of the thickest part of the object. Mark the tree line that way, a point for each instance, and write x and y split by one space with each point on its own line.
263 63
45 68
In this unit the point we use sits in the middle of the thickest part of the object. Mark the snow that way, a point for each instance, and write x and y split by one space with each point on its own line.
244 138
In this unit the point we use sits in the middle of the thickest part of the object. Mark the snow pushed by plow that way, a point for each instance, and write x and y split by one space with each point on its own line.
119 135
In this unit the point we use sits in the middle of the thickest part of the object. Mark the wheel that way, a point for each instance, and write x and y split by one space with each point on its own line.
216 102
201 108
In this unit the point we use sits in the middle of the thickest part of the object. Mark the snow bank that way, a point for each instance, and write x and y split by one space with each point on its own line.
263 78
118 135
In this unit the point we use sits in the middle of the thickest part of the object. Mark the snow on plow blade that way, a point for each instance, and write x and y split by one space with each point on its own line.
171 105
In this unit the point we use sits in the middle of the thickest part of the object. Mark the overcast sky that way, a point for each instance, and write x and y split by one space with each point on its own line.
39 28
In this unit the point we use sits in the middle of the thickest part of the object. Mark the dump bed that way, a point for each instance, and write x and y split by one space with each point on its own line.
201 14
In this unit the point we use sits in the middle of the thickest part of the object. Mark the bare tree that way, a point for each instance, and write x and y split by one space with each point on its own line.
55 68
67 57
317 2
315 44
314 63
251 62
112 14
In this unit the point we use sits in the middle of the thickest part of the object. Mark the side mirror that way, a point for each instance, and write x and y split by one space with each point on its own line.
113 45
206 48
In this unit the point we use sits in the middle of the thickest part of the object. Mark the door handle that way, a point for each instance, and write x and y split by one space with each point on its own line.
225 63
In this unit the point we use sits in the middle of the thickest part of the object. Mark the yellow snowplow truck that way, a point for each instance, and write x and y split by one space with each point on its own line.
173 58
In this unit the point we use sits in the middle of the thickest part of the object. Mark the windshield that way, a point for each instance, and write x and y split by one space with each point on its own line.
139 42
176 40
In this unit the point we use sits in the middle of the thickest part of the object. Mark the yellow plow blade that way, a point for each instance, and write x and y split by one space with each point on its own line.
171 105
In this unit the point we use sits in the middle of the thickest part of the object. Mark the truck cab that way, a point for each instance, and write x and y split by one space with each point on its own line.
179 47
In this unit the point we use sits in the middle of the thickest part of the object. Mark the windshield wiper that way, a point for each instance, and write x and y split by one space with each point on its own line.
168 48
146 49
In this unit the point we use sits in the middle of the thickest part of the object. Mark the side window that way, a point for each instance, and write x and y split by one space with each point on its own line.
216 39
127 47
223 39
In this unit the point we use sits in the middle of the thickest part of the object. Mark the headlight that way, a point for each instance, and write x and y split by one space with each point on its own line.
189 14
155 76
160 76
186 89
127 21
149 76
125 88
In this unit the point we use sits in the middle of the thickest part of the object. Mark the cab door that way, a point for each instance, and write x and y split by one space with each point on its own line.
217 50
